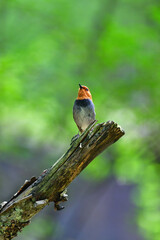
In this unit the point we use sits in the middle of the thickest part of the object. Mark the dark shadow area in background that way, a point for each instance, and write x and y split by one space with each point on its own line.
104 211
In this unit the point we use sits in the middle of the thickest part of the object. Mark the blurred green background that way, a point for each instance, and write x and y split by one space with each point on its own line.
113 47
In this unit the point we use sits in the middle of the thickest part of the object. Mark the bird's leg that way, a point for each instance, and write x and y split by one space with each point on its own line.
74 138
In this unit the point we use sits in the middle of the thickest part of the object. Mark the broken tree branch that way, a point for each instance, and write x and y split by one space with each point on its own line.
35 194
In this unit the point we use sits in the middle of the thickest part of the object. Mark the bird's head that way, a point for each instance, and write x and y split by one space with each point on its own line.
84 93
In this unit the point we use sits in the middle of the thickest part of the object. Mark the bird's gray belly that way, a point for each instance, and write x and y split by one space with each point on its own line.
83 116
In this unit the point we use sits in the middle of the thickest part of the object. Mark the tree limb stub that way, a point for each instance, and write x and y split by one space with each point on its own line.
50 185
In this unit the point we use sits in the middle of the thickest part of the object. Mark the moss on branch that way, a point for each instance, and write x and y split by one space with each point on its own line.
50 186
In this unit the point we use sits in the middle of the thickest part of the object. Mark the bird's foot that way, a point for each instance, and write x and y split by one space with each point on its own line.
74 138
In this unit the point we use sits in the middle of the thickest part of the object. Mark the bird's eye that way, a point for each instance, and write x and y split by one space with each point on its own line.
86 89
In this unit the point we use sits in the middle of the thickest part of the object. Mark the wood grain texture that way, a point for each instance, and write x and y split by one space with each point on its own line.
51 184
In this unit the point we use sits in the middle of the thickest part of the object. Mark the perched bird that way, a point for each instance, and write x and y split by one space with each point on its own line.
83 109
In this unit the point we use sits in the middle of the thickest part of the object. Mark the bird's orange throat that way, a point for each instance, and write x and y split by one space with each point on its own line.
83 94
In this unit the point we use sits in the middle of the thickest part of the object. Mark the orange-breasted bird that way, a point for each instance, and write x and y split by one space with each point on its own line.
83 109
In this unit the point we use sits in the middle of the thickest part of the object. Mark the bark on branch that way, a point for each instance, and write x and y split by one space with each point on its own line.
50 186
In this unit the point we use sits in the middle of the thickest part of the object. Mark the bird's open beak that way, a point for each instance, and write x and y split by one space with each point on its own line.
80 86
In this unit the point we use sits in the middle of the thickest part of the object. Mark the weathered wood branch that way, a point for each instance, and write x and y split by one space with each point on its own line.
51 184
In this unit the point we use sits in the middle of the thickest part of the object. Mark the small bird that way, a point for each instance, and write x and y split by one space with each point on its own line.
83 109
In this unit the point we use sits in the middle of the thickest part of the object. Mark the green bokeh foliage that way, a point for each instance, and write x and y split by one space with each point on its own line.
47 48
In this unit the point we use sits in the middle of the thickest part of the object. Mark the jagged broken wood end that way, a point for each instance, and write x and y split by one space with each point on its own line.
50 186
